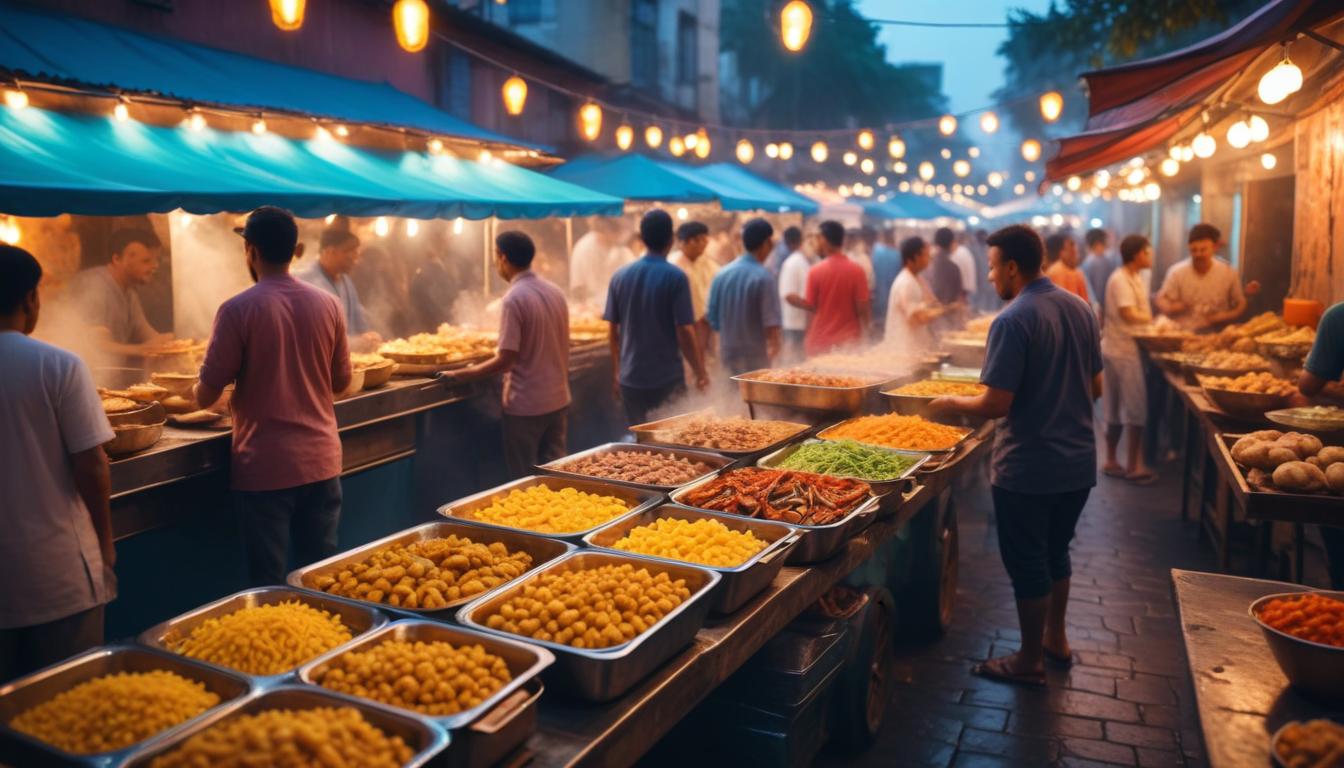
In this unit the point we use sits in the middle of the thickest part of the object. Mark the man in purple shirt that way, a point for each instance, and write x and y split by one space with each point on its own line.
533 355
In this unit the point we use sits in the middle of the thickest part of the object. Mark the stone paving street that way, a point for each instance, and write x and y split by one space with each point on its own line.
1127 702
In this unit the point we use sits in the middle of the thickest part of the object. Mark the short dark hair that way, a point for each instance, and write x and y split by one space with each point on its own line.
793 237
335 237
1021 245
1204 231
756 232
655 230
273 232
124 237
691 230
911 247
19 275
832 232
517 248
1054 245
1096 236
944 238
1131 247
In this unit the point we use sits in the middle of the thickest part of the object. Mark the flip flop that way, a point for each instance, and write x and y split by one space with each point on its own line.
1146 478
993 669
1113 471
1061 659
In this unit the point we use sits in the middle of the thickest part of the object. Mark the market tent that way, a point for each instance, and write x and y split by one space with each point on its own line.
55 162
634 177
907 206
742 190
69 50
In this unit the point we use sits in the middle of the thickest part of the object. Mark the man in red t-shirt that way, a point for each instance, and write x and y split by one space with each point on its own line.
837 296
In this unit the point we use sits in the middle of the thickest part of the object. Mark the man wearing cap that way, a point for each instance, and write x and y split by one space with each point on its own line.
283 344
338 255
744 304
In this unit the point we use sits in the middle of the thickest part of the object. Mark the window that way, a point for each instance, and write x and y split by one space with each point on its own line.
644 43
688 52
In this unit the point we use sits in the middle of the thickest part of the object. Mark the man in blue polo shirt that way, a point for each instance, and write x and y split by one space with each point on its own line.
649 308
744 304
1324 365
1042 373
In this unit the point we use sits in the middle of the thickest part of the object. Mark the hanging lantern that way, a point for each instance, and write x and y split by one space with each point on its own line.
865 140
849 158
121 111
785 150
989 122
1052 106
590 121
1259 128
676 146
1031 150
625 136
287 14
1268 161
702 145
1204 145
926 170
820 152
962 168
653 136
745 152
410 18
1074 183
772 150
1239 135
515 95
896 147
1280 82
947 125
867 166
15 98
1169 167
795 24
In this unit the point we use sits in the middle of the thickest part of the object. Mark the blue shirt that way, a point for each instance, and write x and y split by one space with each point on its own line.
1097 270
1326 360
649 299
743 302
343 288
886 266
1044 347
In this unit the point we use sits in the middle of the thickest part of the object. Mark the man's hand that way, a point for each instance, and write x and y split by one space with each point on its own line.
447 378
1252 288
942 404
702 381
1177 307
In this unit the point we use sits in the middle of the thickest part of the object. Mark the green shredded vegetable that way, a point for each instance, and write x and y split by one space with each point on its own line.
849 459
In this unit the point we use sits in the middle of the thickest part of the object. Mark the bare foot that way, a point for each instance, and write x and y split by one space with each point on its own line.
1057 649
1010 669
1113 469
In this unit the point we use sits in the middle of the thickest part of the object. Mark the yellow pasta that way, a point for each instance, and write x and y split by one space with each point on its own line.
704 541
541 509
264 639
291 738
427 575
434 678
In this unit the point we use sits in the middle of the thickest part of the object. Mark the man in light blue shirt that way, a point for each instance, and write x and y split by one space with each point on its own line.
744 304
1097 267
886 266
337 257
1324 365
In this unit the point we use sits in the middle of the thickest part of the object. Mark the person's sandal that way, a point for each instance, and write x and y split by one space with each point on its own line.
995 669
1063 660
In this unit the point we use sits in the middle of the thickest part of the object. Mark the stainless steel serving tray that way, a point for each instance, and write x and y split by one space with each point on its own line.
936 454
20 695
652 434
541 549
880 487
737 585
918 405
464 510
424 739
819 541
716 461
807 397
358 618
602 675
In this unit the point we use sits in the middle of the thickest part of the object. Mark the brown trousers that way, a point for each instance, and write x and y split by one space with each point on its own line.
28 649
533 440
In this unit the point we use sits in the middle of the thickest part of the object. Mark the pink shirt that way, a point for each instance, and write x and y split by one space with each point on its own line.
283 342
535 324
836 287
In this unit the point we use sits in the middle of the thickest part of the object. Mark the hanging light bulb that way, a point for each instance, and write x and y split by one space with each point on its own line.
1103 179
899 166
457 225
1029 175
1259 128
412 227
995 179
795 24
1204 145
820 151
989 122
1280 82
10 234
1031 150
1152 190
1268 161
865 140
121 111
745 152
1052 106
342 131
785 150
653 136
926 170
435 146
514 93
287 14
196 121
1169 167
947 125
410 19
590 121
1073 183
1019 189
690 140
962 168
982 190
702 145
881 181
381 226
676 146
485 156
15 98
625 136
973 151
772 150
1239 135
1174 152
867 166
1187 153
1135 177
945 153
258 126
896 147
849 158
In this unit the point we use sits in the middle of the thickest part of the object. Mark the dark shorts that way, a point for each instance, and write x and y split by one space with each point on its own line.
640 402
532 440
1034 535
304 518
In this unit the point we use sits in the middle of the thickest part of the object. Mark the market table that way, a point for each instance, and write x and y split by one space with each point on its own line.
1242 695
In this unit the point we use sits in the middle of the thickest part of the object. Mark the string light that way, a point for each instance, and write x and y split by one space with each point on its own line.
690 140
15 98
865 140
1239 135
258 126
322 134
1031 150
1029 175
982 190
785 150
1169 167
625 136
947 125
772 150
946 153
121 111
1152 190
962 168
676 146
1280 82
1073 183
590 121
995 179
899 166
989 122
196 121
881 181
412 227
410 19
342 131
1052 106
514 93
1135 177
1268 161
896 147
381 226
1259 128
745 151
457 225
973 151
1019 189
486 156
653 136
287 14
1187 153
849 158
795 24
926 170
1174 152
1204 145
820 151
702 145
1102 179
867 166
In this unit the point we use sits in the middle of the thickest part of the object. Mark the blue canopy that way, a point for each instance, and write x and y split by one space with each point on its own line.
47 46
55 162
742 190
634 177
908 206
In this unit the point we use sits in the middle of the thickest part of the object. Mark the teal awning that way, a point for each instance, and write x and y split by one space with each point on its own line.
42 45
908 206
55 162
742 190
645 179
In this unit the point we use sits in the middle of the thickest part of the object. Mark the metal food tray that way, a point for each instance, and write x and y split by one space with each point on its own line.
819 541
648 434
738 584
806 397
716 461
424 739
918 405
604 674
498 733
541 549
880 487
1286 418
936 454
358 618
21 695
464 509
525 661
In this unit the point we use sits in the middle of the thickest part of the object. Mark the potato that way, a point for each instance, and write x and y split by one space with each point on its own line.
1334 477
1300 444
1299 477
1330 454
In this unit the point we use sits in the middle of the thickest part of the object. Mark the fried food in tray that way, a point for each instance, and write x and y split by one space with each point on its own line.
911 433
1255 383
448 344
786 496
809 378
728 433
939 388
114 404
1290 461
645 467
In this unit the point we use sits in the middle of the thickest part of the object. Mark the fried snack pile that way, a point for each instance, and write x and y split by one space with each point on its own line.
1299 335
1230 360
114 404
291 738
1257 383
802 498
363 360
938 388
706 542
646 467
264 639
847 458
1290 461
731 434
115 711
435 678
541 509
428 574
590 608
1313 744
447 344
810 378
892 430
1312 617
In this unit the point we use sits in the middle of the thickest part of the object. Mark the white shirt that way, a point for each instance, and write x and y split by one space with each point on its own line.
965 262
793 280
1123 290
589 271
1217 290
908 296
50 563
701 273
866 262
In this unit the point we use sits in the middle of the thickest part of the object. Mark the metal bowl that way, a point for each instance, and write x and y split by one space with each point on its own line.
1278 735
1253 404
377 375
808 397
179 384
149 413
131 438
1314 669
559 467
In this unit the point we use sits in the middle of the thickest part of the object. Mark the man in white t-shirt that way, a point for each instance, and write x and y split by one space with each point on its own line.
690 257
1202 291
792 290
56 554
590 264
965 262
911 305
1124 395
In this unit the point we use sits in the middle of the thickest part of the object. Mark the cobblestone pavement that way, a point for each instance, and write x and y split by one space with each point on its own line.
1128 701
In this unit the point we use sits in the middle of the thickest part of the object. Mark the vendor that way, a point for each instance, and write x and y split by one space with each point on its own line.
56 555
792 287
338 255
1324 365
533 355
105 297
1203 291
1125 397
911 305
1061 253
744 304
689 257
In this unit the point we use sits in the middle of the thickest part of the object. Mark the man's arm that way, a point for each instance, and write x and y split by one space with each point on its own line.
865 310
502 362
341 370
799 302
1096 386
614 347
991 404
93 482
1133 316
772 342
690 349
1238 307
